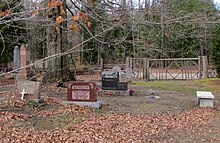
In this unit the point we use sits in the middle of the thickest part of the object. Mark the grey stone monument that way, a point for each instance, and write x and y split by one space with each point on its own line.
129 73
117 69
30 87
16 58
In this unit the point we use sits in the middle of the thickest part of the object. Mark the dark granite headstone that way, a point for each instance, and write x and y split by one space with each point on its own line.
110 80
122 86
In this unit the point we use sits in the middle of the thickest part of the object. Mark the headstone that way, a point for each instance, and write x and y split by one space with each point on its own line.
25 72
30 87
122 86
117 69
129 73
16 58
205 99
23 59
82 91
110 80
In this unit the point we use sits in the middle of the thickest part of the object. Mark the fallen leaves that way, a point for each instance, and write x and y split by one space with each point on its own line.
6 81
70 109
7 94
88 77
15 103
53 87
7 116
51 100
112 127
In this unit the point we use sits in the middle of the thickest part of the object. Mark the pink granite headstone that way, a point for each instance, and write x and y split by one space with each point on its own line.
25 72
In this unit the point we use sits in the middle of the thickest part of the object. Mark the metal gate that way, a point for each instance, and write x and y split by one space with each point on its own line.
165 69
175 69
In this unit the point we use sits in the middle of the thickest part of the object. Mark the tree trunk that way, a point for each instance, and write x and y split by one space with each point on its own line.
58 68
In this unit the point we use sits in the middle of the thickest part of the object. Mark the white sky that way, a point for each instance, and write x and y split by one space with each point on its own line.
218 3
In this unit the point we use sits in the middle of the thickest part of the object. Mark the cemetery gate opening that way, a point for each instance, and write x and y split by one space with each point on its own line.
168 69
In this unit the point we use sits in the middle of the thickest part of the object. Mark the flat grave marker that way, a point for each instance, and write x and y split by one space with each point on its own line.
205 99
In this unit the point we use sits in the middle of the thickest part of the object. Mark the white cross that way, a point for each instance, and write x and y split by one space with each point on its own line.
22 94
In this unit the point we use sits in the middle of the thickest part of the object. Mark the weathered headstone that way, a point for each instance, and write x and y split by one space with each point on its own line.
129 73
82 91
23 60
16 58
30 87
117 69
25 72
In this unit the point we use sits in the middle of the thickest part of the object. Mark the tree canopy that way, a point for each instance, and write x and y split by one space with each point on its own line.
88 30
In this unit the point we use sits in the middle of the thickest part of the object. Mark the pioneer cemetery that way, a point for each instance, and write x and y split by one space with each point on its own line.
124 71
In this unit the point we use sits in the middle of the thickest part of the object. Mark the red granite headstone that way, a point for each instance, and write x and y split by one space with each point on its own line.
25 72
23 60
82 91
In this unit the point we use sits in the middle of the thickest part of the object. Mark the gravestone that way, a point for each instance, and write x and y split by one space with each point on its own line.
205 99
122 86
117 69
82 91
31 88
16 58
25 72
110 80
129 73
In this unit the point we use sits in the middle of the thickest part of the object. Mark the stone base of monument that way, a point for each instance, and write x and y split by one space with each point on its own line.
96 104
205 99
113 93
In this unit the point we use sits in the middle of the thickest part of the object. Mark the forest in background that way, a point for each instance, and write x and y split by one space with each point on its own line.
84 31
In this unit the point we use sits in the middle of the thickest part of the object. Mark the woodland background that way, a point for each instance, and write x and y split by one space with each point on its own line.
67 33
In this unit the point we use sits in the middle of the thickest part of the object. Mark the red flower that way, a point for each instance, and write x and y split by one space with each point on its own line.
132 91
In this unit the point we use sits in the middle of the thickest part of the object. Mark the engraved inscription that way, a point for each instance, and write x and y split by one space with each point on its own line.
81 95
80 87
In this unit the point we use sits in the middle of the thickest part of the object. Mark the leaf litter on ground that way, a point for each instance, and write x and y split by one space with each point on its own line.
108 127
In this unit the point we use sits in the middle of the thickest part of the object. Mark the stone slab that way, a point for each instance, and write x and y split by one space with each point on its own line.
203 94
96 104
206 103
113 93
205 99
31 87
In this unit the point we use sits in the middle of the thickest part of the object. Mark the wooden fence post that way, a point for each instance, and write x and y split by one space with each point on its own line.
127 62
148 69
101 64
200 67
205 66
145 68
